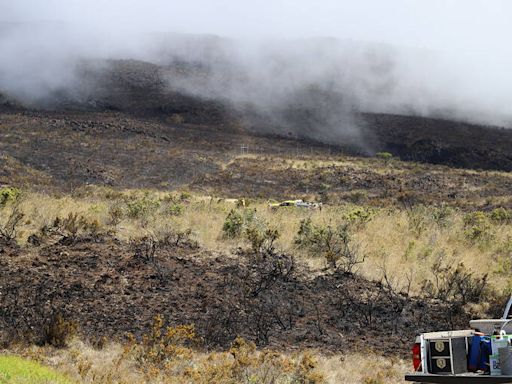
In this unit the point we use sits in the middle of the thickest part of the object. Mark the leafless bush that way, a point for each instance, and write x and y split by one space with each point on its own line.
69 229
148 248
366 307
397 293
456 285
177 238
145 248
58 331
9 226
267 271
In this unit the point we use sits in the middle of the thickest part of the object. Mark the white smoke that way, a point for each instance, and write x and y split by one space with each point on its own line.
267 59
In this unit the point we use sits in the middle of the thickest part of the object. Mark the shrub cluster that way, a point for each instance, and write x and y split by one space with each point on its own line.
70 228
334 243
245 224
477 226
142 208
386 156
11 215
169 351
359 216
501 216
455 284
237 221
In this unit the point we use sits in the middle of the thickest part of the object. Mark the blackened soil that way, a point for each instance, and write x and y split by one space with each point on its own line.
272 300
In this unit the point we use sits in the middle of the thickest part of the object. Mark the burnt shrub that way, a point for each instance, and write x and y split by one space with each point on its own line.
10 222
144 248
58 331
455 284
71 228
177 238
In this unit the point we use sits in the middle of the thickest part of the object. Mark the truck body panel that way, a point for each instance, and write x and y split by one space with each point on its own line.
481 326
467 378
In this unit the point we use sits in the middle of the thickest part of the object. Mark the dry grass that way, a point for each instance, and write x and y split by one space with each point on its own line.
366 369
114 363
404 243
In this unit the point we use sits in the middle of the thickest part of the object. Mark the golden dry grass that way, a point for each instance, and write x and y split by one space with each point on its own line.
403 242
111 364
363 368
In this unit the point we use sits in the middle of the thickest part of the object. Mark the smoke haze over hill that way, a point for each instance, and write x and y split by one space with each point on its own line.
438 58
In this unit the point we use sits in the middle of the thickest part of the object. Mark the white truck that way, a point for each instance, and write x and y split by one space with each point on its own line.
448 356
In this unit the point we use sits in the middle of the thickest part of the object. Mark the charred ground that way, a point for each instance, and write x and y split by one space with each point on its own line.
64 150
152 99
109 291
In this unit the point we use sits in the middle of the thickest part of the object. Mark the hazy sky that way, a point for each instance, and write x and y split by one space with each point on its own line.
452 54
469 25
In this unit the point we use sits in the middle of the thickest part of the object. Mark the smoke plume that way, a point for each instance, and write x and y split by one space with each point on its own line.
268 62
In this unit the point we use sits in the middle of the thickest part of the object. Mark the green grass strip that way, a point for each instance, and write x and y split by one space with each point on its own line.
16 370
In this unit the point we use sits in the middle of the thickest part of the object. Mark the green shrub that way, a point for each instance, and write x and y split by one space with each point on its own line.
262 239
8 194
142 208
359 215
175 209
504 258
233 225
442 215
335 244
237 222
386 156
417 220
477 226
116 213
475 218
500 216
185 196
